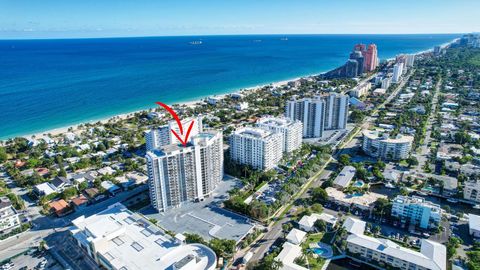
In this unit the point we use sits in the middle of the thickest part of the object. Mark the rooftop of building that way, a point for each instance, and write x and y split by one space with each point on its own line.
474 222
128 241
344 178
276 121
360 199
384 136
432 255
354 225
416 200
200 139
252 132
288 255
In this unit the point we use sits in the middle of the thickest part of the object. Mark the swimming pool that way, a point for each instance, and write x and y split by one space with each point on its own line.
359 184
319 251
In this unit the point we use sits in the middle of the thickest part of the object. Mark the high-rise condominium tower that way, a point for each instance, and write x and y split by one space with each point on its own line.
179 174
336 111
256 147
162 136
291 131
319 113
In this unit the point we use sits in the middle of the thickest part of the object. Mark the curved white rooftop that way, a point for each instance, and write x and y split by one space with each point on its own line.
128 241
383 136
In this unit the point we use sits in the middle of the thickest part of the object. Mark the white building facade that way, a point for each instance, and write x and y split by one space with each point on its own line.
471 191
179 174
397 72
380 145
256 147
417 211
291 131
9 218
163 135
311 112
336 111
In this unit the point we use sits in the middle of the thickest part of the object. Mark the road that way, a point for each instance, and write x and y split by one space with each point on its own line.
424 151
274 232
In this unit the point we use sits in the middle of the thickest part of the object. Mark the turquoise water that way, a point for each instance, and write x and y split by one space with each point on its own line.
46 84
319 251
358 184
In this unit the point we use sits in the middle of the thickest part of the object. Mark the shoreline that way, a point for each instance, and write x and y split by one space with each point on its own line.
74 127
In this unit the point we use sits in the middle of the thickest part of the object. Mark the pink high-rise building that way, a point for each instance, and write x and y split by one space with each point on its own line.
370 56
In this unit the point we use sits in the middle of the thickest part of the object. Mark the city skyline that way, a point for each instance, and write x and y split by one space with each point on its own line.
55 19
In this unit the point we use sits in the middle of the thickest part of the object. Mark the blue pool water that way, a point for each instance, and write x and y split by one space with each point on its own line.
46 84
358 184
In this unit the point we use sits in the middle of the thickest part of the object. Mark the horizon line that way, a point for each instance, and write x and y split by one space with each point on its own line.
226 35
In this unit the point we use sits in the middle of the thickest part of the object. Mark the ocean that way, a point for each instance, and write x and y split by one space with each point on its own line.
47 84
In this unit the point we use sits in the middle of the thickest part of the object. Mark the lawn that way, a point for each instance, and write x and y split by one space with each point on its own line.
314 263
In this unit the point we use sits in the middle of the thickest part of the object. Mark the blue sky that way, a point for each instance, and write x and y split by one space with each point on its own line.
106 18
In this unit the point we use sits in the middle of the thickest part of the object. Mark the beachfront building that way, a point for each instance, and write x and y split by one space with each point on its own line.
163 135
257 147
311 112
180 174
378 144
358 57
9 218
119 239
344 178
471 191
291 131
336 111
384 252
417 211
397 72
410 60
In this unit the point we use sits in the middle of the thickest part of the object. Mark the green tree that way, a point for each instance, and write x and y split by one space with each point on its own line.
3 154
223 247
412 161
69 193
344 159
319 194
269 263
317 208
320 225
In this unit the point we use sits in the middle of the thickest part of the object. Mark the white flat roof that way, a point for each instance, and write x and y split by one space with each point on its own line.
474 222
432 255
354 226
127 240
344 178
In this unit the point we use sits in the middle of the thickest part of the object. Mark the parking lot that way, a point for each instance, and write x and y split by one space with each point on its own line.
205 218
34 260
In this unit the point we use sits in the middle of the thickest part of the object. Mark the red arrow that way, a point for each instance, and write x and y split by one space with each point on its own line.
179 123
